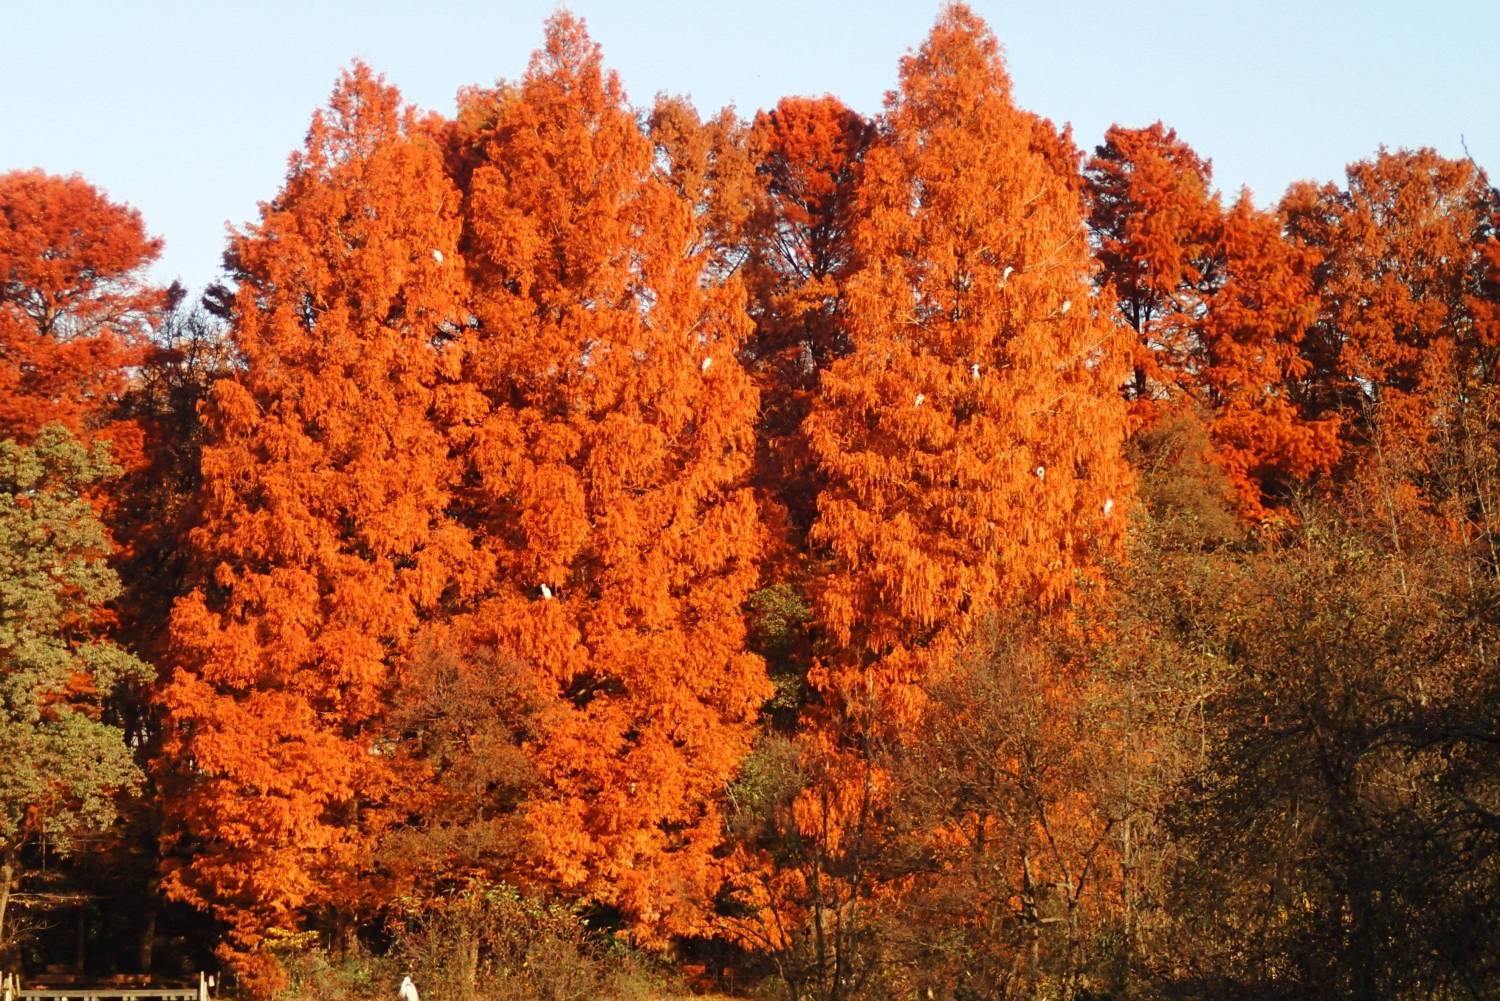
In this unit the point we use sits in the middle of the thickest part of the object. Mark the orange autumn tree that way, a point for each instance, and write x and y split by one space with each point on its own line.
605 430
77 316
76 308
807 154
323 543
972 439
1218 303
80 329
708 162
969 443
1400 351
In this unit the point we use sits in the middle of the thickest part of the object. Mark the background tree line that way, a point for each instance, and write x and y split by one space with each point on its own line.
860 557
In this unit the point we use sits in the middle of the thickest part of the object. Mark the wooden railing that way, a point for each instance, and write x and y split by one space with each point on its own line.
13 988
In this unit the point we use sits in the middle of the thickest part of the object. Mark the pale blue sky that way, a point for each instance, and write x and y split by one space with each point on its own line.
187 110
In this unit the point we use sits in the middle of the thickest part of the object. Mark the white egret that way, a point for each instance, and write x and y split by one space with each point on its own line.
409 990
921 399
546 593
1041 472
1109 505
707 362
437 255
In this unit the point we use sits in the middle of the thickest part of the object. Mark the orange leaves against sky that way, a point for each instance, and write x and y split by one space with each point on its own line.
971 439
75 305
1218 305
324 540
605 430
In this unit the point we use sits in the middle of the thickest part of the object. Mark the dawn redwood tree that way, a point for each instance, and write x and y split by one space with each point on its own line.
708 161
75 304
605 431
807 154
1400 349
1402 245
322 545
1218 303
971 439
1151 215
969 446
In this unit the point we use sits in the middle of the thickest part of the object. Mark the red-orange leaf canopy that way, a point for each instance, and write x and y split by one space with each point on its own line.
971 441
606 429
323 544
75 305
1218 303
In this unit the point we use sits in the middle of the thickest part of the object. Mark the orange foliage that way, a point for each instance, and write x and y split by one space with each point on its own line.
971 440
1218 302
1400 350
1393 341
323 542
708 163
479 522
807 154
604 428
968 442
75 306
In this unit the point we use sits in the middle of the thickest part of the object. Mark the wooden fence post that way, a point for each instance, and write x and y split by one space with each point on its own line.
202 987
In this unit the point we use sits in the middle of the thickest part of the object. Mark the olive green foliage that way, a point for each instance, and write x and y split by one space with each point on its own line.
62 763
778 617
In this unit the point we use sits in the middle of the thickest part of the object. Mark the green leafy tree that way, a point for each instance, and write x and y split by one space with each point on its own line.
62 762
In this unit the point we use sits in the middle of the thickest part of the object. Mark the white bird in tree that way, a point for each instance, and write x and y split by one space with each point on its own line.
546 593
921 399
1067 305
1109 505
409 990
707 362
974 370
1041 472
1005 275
437 255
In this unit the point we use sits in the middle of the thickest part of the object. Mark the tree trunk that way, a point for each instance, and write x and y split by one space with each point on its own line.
7 876
148 935
81 958
346 935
